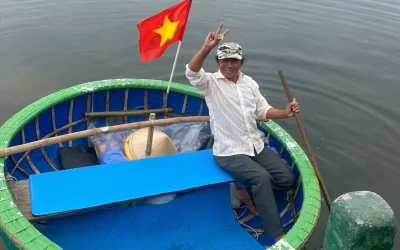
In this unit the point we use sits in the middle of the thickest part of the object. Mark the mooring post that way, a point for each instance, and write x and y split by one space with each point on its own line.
360 220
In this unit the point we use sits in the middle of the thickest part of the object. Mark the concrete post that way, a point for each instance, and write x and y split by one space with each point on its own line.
360 220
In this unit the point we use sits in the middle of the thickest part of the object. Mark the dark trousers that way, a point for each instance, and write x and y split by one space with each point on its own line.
267 177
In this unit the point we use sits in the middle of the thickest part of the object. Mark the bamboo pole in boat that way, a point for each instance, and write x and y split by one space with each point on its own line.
310 152
102 130
128 112
150 136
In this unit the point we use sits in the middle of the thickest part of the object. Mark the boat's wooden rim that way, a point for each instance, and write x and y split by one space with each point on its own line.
18 233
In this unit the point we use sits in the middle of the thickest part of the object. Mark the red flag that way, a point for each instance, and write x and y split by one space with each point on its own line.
161 30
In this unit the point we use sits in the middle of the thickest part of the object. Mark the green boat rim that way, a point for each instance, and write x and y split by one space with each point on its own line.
18 233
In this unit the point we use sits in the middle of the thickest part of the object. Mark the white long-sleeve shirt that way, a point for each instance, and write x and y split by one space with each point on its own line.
233 109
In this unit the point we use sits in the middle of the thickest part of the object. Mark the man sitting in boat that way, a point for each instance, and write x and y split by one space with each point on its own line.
234 102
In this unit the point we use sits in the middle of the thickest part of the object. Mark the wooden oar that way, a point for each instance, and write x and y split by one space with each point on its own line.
310 152
102 130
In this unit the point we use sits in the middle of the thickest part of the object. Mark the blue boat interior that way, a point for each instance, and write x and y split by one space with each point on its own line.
197 219
202 219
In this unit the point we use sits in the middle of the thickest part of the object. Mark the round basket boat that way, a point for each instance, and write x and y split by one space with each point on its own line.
101 104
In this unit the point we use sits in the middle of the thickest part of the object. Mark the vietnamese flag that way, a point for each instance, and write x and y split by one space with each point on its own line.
161 30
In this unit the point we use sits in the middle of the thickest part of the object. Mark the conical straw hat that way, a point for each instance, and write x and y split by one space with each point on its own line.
136 143
135 148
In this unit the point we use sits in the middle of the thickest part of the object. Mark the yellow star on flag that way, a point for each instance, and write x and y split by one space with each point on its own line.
167 31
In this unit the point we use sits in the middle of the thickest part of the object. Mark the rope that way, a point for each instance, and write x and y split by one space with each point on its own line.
258 231
243 224
12 178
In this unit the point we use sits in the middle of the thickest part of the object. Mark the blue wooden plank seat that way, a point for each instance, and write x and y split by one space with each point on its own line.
92 186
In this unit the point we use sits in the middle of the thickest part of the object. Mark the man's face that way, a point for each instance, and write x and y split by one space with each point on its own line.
230 67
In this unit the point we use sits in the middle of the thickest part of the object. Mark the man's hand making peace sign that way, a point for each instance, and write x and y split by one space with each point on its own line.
213 38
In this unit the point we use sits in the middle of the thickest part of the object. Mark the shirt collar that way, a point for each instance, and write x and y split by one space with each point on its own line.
220 75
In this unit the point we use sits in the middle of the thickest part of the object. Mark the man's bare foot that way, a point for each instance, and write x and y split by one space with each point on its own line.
244 197
277 238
